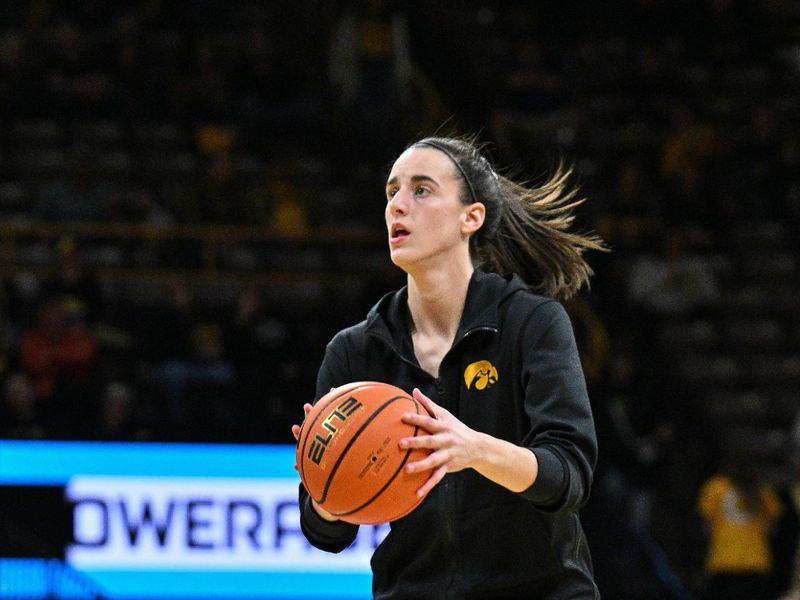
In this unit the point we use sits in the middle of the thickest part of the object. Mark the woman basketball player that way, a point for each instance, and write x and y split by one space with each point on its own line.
479 336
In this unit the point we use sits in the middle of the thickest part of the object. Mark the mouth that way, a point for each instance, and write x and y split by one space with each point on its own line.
398 233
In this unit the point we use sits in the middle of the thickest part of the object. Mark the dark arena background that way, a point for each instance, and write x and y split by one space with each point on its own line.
191 198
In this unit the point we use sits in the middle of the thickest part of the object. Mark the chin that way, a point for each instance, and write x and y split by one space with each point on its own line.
397 260
401 259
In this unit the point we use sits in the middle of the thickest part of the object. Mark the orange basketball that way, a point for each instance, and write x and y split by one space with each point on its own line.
348 454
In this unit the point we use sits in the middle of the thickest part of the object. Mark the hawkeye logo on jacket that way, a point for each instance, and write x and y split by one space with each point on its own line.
480 375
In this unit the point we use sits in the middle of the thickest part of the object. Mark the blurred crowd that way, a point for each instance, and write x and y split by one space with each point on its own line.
680 118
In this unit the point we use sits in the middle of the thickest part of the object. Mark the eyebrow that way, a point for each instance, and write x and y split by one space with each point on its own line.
414 179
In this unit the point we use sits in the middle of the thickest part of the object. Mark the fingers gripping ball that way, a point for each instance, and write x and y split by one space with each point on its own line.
348 454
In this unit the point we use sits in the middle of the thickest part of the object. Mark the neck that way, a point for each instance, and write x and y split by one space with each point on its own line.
436 299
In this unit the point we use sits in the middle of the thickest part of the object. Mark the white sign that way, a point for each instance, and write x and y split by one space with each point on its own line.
128 522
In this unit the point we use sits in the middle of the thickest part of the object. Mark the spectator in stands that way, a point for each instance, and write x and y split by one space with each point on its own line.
142 206
685 155
278 201
119 418
592 338
635 425
56 349
199 392
278 75
740 510
164 329
60 357
76 286
20 416
371 74
633 205
219 194
20 91
689 139
793 498
530 92
259 343
76 84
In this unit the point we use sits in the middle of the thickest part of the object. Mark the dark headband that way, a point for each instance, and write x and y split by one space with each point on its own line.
443 148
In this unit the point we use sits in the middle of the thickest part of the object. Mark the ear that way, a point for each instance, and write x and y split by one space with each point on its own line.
473 217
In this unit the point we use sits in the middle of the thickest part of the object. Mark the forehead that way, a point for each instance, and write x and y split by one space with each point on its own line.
423 161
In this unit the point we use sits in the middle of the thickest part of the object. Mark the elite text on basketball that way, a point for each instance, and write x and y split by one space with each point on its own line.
320 442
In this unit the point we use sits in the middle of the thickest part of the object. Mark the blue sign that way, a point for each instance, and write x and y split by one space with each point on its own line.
188 521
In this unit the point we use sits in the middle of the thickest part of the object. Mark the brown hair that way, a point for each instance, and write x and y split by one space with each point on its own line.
526 230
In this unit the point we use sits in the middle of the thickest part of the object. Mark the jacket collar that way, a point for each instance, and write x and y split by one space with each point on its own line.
388 319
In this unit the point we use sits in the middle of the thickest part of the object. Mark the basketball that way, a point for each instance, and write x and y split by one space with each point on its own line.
348 455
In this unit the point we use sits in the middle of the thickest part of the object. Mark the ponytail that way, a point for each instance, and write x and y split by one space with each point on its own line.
527 229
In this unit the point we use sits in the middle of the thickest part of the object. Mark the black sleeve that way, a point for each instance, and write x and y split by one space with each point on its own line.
331 536
562 434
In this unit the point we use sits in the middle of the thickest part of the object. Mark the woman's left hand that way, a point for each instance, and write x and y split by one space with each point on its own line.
453 445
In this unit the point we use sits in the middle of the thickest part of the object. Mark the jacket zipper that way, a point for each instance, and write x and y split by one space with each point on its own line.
447 509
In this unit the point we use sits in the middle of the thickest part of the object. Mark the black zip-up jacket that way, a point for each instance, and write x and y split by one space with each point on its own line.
513 372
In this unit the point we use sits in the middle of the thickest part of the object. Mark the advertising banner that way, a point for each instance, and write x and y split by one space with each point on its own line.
171 520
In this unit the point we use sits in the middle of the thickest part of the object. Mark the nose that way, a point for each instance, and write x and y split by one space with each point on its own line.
398 204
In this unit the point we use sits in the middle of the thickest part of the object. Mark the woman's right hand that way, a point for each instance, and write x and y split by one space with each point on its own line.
296 433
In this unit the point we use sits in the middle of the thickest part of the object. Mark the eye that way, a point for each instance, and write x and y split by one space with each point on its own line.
422 191
390 192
